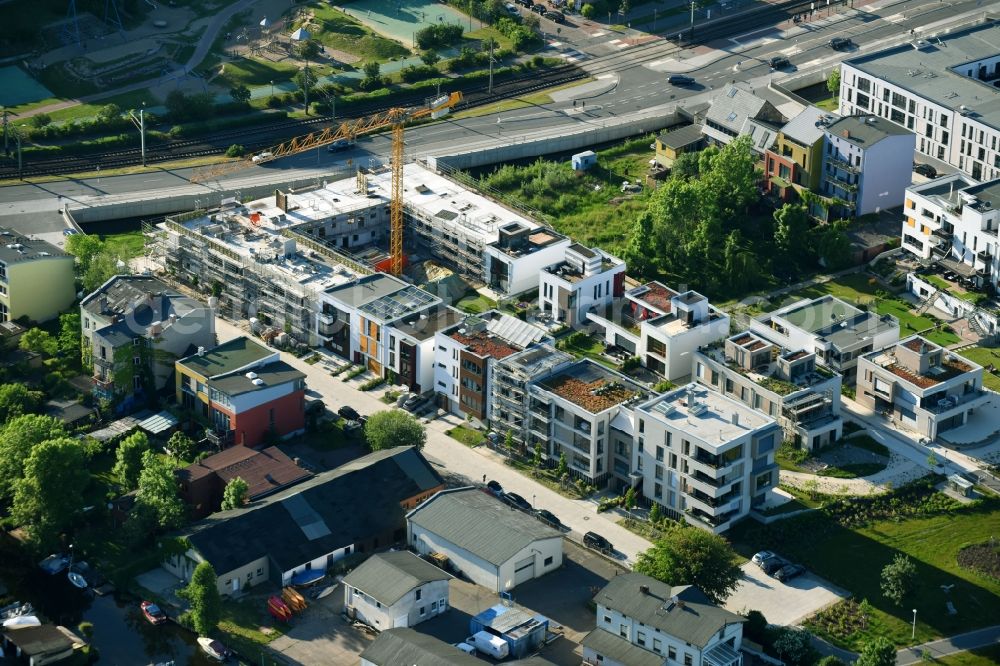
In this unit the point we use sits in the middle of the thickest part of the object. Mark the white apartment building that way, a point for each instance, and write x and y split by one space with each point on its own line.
662 327
703 456
786 385
465 354
837 332
573 409
955 220
921 386
644 622
867 163
587 279
940 88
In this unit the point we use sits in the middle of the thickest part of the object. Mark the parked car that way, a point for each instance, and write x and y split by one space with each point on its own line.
152 613
789 571
771 565
924 170
516 501
495 487
759 558
558 17
511 9
598 543
778 62
348 413
680 80
339 145
548 518
840 43
538 9
412 402
525 3
70 232
260 157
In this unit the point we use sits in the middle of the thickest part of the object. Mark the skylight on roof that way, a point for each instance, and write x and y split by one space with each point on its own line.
732 116
732 92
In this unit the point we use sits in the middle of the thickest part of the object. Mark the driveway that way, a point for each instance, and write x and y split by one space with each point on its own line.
460 464
321 635
785 604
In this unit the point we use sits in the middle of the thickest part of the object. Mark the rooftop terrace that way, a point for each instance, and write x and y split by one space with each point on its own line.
591 386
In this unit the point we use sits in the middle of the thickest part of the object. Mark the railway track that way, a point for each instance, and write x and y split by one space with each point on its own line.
255 138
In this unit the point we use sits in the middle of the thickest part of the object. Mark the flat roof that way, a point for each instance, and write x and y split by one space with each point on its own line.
711 417
865 130
366 289
429 322
270 375
654 294
679 138
400 303
227 357
16 247
591 386
930 70
818 313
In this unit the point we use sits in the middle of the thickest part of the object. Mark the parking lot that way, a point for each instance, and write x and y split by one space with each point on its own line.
321 635
782 603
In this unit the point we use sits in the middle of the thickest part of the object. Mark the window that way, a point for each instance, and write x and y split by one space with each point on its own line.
659 454
423 610
623 631
418 594
136 342
547 561
657 645
688 659
640 638
671 652
260 571
607 619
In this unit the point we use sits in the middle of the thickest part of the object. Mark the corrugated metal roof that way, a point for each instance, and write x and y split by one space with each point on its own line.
480 524
514 331
158 423
386 577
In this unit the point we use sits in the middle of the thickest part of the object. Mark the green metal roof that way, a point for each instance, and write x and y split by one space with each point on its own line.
227 357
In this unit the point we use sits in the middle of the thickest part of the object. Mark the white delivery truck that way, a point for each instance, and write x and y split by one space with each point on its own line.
489 644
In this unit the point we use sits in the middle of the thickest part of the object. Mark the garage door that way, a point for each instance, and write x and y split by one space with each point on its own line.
524 570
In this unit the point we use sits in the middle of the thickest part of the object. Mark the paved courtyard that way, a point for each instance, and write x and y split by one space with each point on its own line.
320 635
786 604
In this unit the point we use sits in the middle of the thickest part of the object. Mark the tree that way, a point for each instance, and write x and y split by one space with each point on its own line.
236 150
536 458
794 647
833 82
791 232
394 427
639 252
865 611
84 247
40 120
756 628
690 556
240 94
563 466
235 494
305 79
831 660
685 166
508 442
202 593
17 399
629 499
18 437
877 652
655 516
128 459
69 336
373 76
308 50
177 104
109 113
48 496
430 57
899 578
832 245
587 11
182 446
158 491
103 266
40 342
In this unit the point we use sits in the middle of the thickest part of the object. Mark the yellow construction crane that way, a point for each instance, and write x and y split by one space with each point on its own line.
350 130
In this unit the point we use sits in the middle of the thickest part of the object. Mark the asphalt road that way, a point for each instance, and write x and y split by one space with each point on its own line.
636 84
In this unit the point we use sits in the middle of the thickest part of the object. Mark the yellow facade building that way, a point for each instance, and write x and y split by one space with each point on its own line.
36 278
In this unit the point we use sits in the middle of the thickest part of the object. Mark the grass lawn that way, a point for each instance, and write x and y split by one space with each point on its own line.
828 104
590 347
590 206
246 619
126 245
852 470
867 443
484 33
854 559
475 303
341 32
251 72
126 101
468 436
985 357
987 656
944 285
547 479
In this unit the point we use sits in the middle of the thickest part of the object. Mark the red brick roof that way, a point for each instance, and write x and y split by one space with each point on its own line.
264 471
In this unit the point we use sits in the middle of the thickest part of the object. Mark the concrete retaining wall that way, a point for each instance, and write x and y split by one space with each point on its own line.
600 131
175 200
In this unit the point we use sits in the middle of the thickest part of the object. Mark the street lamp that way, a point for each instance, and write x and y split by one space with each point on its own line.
913 634
532 501
272 88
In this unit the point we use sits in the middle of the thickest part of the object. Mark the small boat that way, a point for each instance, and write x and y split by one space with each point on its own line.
214 649
153 613
22 621
54 564
307 577
319 593
77 580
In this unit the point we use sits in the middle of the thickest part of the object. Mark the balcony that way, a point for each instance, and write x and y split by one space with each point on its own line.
940 232
984 256
952 402
843 165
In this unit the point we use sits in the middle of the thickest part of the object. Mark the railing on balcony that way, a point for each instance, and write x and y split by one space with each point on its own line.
984 256
843 165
